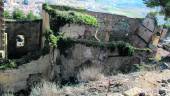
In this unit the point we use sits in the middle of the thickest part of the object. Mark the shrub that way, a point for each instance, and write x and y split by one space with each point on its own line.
31 16
6 14
90 74
51 38
18 14
125 49
5 64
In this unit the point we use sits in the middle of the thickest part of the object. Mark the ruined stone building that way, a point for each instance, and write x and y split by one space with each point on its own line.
27 36
21 37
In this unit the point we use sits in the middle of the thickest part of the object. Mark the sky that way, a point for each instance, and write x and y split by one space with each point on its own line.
130 8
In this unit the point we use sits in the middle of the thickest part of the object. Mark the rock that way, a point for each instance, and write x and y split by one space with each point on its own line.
133 92
34 79
164 81
68 91
159 81
166 47
142 94
164 66
163 85
168 80
162 92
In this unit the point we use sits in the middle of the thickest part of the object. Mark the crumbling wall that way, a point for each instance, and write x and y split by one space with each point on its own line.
109 27
81 56
16 79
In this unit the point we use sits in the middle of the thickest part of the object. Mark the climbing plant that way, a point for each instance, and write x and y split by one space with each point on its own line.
52 39
124 49
60 16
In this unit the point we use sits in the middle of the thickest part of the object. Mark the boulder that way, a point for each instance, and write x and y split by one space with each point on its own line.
164 66
133 92
142 94
162 91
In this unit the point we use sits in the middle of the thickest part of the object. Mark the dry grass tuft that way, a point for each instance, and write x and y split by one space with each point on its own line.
46 89
90 74
8 94
51 89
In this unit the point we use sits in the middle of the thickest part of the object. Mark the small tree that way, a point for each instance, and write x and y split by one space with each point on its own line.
164 4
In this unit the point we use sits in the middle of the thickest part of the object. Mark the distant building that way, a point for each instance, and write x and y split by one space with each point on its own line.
3 35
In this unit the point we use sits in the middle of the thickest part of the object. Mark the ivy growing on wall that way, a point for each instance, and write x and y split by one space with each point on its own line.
124 49
60 16
52 39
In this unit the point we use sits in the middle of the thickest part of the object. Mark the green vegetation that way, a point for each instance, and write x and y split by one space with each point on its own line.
6 14
51 39
19 14
11 64
7 64
31 16
62 15
125 49
68 15
165 4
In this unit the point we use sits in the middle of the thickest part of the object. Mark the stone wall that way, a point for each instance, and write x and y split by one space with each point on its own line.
80 56
67 66
16 79
113 24
32 32
111 27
